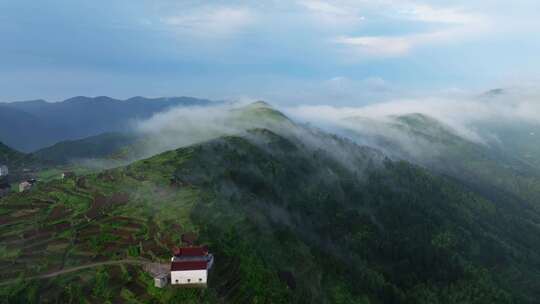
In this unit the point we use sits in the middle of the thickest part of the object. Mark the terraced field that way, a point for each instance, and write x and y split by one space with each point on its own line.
92 220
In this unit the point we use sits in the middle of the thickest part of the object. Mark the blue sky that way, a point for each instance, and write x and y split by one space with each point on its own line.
340 52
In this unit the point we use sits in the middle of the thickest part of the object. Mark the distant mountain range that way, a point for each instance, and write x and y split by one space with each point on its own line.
31 125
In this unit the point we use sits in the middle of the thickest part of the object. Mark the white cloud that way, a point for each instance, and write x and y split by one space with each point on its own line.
427 13
389 46
212 21
334 14
442 25
461 113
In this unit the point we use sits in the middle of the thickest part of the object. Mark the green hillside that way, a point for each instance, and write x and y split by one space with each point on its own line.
520 140
301 217
500 175
15 160
99 146
9 156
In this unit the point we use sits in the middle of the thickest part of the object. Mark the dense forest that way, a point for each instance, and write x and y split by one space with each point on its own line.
300 216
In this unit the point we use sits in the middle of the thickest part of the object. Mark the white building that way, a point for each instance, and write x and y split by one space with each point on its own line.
190 265
4 170
161 280
189 273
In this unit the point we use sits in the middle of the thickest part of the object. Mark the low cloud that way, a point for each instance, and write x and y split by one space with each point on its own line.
462 114
211 21
393 46
467 115
183 126
331 14
427 13
457 24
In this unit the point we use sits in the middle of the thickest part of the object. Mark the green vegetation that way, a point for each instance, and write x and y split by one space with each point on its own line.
287 222
15 160
99 146
291 217
496 173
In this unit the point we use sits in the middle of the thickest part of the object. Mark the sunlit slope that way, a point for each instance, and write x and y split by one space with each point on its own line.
289 219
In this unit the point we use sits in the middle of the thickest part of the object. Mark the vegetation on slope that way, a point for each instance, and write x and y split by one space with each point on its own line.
15 160
289 219
94 147
424 140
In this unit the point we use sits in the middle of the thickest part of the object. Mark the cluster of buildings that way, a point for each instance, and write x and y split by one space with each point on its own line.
5 185
189 268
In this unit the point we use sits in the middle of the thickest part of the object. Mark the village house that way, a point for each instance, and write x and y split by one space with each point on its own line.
26 185
190 266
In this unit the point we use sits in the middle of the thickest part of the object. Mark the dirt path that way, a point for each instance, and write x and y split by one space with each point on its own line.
77 268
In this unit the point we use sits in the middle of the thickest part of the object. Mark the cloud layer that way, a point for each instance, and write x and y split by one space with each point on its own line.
268 49
467 115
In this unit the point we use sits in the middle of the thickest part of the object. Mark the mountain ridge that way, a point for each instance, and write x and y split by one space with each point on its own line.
40 124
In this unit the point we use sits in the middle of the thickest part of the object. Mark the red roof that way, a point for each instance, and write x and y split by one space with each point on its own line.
191 251
188 265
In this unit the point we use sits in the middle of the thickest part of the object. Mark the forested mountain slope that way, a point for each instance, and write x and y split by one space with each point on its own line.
94 147
423 140
16 160
298 216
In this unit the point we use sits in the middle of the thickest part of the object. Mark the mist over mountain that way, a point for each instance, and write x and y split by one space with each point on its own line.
30 125
350 207
487 141
341 152
270 196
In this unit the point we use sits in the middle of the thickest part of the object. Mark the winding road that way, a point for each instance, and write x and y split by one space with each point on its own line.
77 268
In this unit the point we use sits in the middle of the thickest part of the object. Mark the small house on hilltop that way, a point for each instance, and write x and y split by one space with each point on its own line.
190 265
